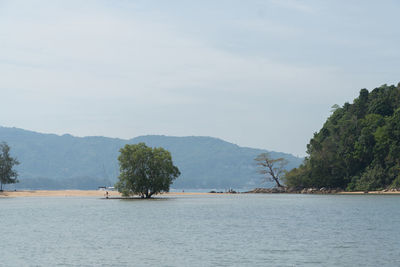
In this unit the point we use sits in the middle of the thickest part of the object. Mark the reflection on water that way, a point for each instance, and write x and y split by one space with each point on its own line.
223 230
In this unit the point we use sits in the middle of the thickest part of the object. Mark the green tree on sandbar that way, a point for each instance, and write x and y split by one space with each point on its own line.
145 171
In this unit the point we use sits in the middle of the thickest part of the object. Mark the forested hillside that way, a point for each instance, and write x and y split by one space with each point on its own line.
50 161
358 147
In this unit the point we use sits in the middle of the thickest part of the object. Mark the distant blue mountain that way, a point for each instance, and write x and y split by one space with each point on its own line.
50 161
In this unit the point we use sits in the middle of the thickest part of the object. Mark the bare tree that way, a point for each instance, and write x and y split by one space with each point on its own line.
273 169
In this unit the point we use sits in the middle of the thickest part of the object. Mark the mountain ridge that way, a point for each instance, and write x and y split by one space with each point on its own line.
51 161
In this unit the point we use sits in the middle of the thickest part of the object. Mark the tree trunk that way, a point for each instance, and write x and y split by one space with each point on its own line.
277 182
272 173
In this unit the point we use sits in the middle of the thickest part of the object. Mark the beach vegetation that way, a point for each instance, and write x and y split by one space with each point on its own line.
8 175
145 171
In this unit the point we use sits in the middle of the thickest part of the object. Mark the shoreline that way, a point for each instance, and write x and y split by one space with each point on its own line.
368 193
81 193
115 194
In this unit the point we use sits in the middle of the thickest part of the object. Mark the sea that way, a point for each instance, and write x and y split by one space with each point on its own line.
202 230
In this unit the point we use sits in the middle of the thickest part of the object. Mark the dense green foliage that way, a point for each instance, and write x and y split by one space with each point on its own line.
8 175
145 171
66 162
358 147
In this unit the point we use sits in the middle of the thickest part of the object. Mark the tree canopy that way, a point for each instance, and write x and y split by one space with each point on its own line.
358 147
145 171
7 173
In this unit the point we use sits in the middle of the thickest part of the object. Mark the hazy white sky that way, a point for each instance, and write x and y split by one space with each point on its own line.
258 73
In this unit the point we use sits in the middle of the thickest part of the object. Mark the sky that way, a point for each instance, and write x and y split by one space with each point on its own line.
257 73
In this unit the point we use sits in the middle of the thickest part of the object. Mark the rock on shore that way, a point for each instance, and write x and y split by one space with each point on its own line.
322 190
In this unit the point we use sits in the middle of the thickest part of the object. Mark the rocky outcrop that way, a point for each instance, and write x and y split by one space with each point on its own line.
268 190
322 190
391 190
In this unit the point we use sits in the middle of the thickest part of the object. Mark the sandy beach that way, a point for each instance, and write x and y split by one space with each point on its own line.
58 193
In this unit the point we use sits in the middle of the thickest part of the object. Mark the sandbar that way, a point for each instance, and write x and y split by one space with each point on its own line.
78 193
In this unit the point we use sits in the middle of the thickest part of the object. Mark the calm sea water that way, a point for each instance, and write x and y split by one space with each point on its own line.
218 230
